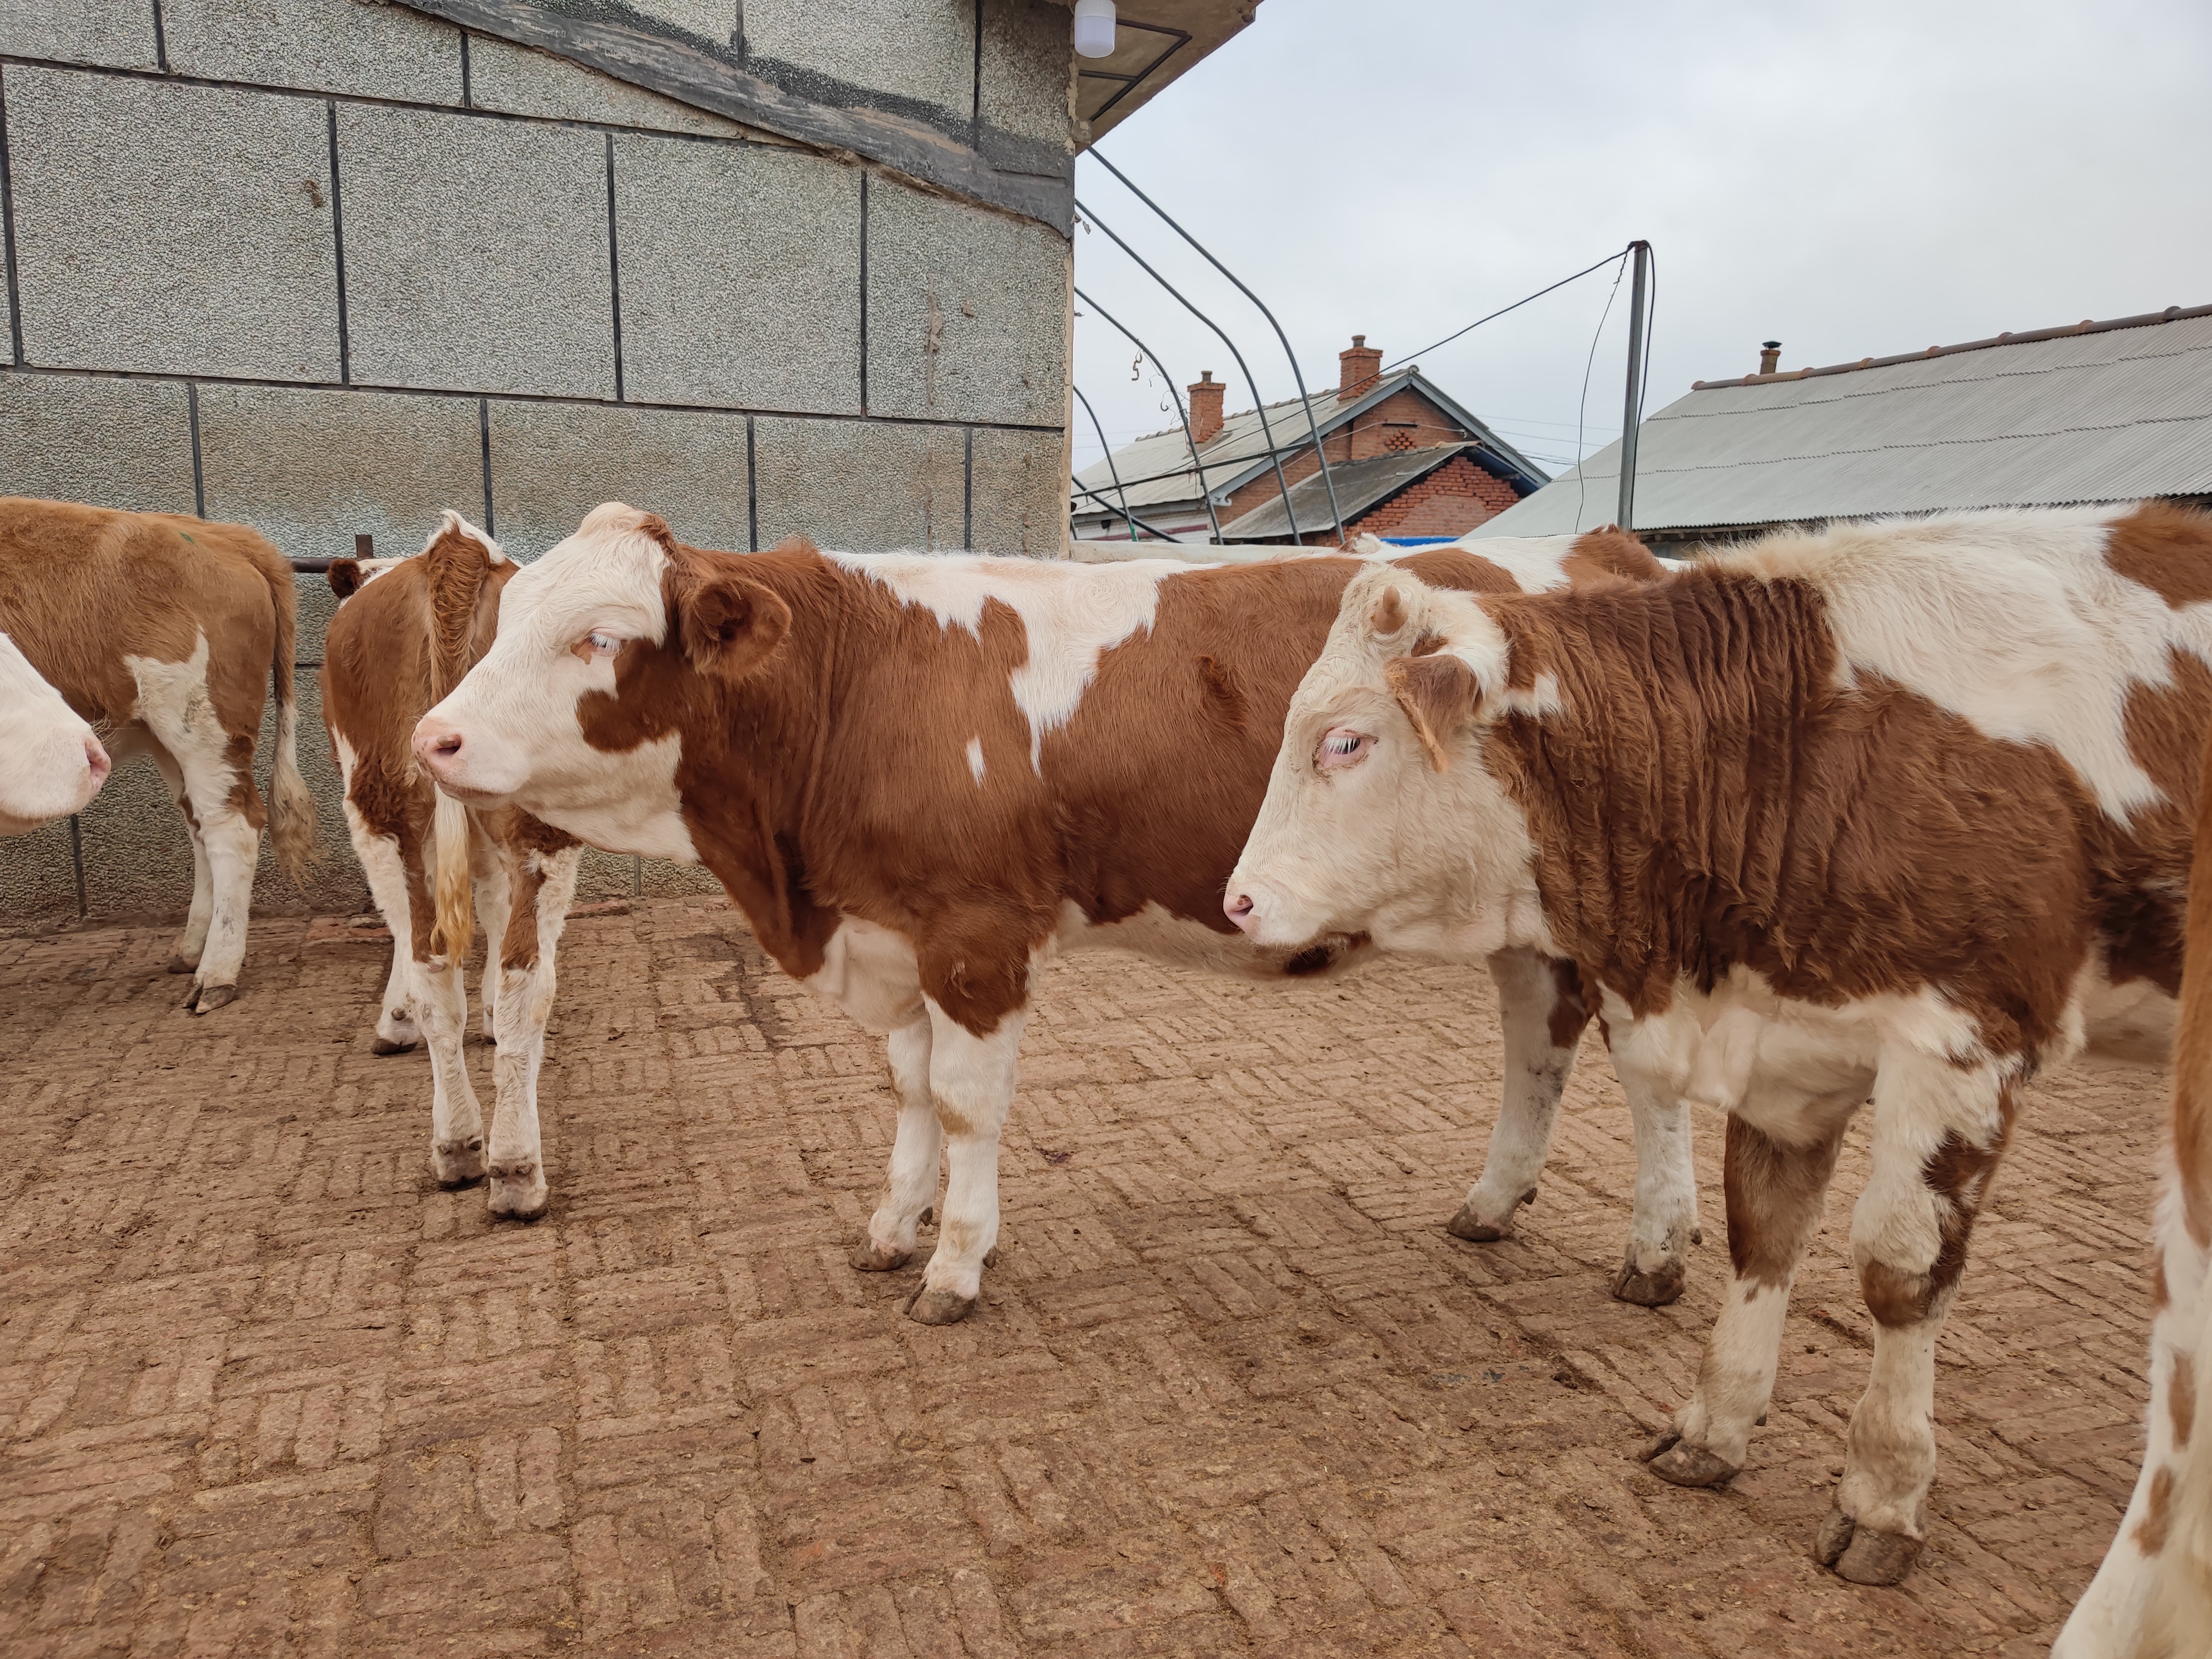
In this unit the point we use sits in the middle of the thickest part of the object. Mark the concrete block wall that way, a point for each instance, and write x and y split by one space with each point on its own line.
328 266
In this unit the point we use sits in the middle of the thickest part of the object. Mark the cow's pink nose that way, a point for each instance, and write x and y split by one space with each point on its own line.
96 760
1238 908
437 747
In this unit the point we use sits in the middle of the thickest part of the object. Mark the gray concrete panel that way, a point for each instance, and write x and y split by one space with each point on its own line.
605 876
38 879
740 275
118 34
1027 69
323 46
662 878
861 486
172 228
312 468
920 49
553 463
712 20
476 254
114 443
1021 493
524 82
967 311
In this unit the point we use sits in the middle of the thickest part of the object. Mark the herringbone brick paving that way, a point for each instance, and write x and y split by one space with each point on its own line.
265 1389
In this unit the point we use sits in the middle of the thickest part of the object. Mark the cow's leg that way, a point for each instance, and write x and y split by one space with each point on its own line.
542 885
1939 1129
395 1019
493 892
1776 1193
192 943
1653 1058
230 828
971 1084
1541 1006
911 1182
2121 1612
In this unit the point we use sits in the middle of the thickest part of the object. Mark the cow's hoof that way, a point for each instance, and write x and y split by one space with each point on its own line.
1654 1289
517 1190
206 998
179 964
929 1215
1683 1465
1471 1227
458 1163
386 1046
939 1308
871 1257
991 1256
1862 1555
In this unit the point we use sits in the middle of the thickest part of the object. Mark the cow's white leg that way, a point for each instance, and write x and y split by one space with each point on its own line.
1939 1129
1777 1191
525 949
971 1084
493 896
192 942
395 1020
457 1136
1543 1015
1663 1223
911 1182
234 847
2122 1612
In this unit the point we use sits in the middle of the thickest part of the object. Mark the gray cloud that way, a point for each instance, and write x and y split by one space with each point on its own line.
1854 179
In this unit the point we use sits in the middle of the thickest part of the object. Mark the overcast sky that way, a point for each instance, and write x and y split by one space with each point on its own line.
1853 179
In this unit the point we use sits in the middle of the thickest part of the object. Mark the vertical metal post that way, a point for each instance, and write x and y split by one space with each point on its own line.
1632 403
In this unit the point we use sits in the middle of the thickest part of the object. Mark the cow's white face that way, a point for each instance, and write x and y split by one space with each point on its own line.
51 763
514 732
1380 817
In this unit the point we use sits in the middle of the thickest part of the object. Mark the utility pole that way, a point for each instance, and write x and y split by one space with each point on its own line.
1632 405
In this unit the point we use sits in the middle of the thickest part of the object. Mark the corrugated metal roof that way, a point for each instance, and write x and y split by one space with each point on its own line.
2096 413
1359 485
1156 470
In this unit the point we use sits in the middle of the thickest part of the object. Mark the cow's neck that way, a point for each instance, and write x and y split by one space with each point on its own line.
752 755
1657 792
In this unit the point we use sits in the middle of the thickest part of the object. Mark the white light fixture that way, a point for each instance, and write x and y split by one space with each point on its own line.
1094 28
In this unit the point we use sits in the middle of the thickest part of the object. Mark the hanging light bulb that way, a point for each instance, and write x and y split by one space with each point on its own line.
1094 28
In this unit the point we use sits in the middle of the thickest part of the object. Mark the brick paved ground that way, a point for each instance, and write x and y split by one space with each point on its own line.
265 1389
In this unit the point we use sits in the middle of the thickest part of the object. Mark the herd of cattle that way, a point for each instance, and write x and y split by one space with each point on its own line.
1899 814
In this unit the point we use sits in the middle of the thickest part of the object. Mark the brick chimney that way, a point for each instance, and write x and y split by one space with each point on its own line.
1770 355
1205 406
1356 370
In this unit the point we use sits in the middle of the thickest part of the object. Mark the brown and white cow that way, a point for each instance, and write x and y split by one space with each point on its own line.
51 761
164 631
2152 1598
1897 811
407 632
919 776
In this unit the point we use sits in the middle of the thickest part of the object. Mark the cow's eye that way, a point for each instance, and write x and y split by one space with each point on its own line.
595 647
1342 747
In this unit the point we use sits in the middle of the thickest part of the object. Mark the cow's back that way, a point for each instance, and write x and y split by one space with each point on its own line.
82 588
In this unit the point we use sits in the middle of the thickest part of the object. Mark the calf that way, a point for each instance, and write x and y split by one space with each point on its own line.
1897 811
54 762
2152 1599
165 629
407 632
919 776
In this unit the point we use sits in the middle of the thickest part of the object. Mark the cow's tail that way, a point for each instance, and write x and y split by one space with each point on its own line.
291 808
459 558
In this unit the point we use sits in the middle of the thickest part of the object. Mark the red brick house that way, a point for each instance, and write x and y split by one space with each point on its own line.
1406 459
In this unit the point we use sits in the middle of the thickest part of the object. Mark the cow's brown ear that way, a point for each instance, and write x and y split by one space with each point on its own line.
1438 694
345 577
730 624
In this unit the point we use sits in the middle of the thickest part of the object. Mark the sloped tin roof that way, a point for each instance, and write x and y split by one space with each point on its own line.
2100 412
